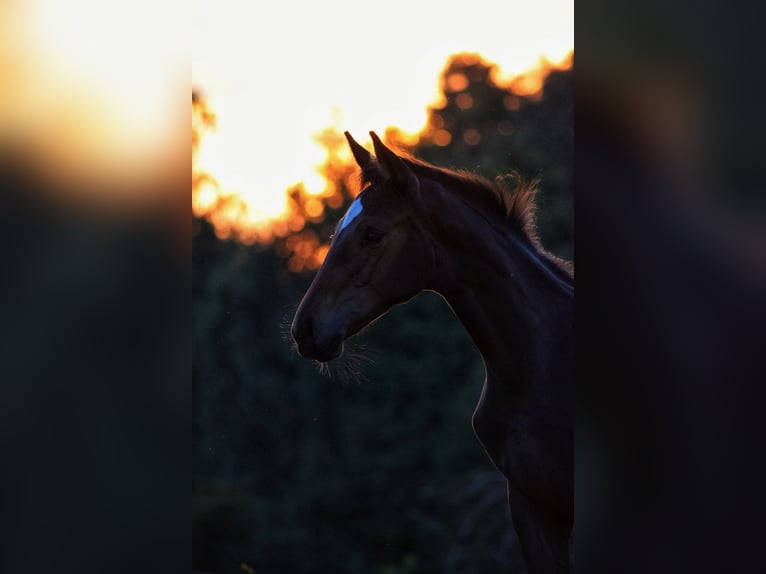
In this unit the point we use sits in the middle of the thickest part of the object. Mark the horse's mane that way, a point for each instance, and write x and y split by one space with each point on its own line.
511 196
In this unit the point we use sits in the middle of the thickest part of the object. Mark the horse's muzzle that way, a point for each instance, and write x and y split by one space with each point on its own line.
313 344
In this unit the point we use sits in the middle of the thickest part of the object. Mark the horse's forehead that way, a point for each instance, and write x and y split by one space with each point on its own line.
353 211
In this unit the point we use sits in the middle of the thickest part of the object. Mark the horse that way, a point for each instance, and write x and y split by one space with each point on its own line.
416 227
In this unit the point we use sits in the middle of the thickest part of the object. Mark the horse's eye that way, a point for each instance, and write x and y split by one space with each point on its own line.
373 237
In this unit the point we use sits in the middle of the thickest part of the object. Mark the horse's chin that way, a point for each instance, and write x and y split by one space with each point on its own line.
321 354
332 355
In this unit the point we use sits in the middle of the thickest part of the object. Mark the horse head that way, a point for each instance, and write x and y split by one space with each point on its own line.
379 257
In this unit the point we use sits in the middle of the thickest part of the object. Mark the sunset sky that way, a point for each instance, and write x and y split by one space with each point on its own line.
276 75
96 91
97 85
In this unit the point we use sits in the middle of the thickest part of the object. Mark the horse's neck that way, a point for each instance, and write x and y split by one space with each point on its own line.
515 306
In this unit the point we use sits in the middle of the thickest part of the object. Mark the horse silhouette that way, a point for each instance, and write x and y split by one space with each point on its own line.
418 227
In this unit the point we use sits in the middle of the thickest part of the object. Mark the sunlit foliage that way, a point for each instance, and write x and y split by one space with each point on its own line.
481 122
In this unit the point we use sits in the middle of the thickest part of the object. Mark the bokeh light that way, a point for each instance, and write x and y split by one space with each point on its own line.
96 104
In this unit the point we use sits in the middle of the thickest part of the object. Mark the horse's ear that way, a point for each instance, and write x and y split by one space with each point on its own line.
362 156
395 168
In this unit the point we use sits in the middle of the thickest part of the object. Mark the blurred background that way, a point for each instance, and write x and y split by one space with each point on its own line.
671 301
95 327
372 467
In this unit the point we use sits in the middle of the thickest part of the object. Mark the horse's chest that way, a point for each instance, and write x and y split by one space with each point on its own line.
505 435
525 445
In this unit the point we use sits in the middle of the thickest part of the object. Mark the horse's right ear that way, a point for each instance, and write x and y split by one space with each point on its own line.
362 156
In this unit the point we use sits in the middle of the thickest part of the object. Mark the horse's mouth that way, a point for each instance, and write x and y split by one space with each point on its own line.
331 355
322 352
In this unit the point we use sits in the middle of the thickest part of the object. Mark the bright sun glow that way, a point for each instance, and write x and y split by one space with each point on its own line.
275 75
96 86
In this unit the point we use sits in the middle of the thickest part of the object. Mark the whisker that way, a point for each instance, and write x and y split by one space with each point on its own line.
348 368
285 325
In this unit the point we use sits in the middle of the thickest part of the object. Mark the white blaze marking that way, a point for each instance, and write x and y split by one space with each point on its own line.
353 211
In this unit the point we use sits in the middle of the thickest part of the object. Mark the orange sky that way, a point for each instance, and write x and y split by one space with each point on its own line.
277 75
96 92
97 86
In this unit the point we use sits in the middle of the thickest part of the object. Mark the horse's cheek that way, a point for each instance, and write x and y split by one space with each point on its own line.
400 269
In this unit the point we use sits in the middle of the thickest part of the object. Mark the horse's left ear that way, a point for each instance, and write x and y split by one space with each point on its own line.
363 158
396 170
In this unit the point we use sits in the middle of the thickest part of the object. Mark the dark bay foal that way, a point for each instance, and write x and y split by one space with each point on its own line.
418 227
